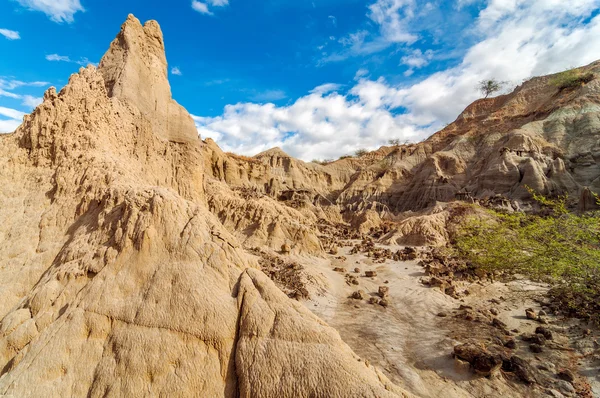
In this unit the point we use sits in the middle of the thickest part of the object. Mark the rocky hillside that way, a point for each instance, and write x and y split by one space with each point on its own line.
139 260
540 135
117 280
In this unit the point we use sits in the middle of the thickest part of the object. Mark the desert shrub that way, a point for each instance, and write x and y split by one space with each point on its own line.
323 162
345 157
554 246
394 142
571 79
360 152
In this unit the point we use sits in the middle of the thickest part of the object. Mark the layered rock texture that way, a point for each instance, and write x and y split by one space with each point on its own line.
539 136
118 281
124 264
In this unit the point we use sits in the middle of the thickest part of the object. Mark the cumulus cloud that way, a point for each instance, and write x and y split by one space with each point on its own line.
514 40
392 16
10 34
203 7
176 71
321 124
57 10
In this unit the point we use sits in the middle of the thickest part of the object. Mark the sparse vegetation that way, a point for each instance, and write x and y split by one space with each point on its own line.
555 246
345 157
489 86
323 162
360 152
571 78
394 142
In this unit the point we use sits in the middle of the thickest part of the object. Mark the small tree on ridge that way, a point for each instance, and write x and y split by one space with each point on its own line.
489 86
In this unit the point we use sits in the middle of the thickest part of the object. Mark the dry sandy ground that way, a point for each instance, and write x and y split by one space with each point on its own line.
409 341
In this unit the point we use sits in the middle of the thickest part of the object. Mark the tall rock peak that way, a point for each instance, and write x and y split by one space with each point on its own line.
135 70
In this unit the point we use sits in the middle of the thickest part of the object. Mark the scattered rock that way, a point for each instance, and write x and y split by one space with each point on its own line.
536 348
358 295
374 300
340 269
499 324
383 302
530 314
383 291
566 375
523 370
482 361
565 387
547 333
442 314
370 274
511 344
494 311
357 270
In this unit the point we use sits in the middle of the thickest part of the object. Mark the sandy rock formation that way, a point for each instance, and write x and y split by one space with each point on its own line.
116 278
538 136
135 70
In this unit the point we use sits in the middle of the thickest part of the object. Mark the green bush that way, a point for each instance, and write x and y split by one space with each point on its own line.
555 246
571 79
360 152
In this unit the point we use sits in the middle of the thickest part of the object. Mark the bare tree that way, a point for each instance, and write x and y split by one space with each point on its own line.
489 86
394 142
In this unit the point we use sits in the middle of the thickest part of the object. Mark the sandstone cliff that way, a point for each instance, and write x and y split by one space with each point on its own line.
116 278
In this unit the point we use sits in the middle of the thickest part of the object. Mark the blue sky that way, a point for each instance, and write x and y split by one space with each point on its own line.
319 78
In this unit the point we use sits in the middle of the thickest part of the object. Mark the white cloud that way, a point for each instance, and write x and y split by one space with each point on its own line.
31 101
11 113
176 71
333 20
201 7
417 59
10 34
57 10
11 84
515 39
8 94
26 100
8 126
58 58
319 125
392 16
326 88
84 61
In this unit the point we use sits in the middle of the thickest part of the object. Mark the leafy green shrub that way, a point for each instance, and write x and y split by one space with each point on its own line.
555 246
360 152
571 79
